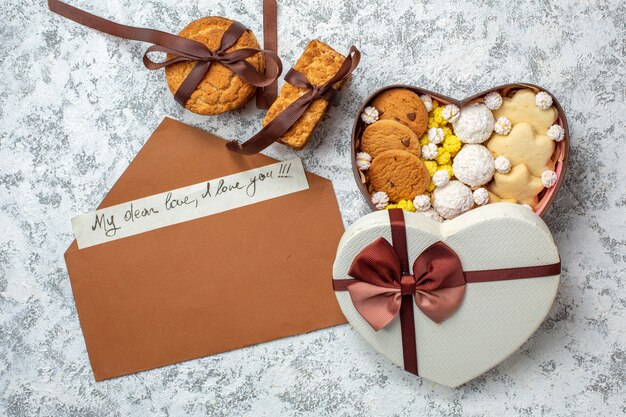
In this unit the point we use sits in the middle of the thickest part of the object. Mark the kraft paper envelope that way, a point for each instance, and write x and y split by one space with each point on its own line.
205 286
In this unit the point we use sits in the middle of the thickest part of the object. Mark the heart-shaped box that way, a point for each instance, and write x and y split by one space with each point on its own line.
559 157
511 271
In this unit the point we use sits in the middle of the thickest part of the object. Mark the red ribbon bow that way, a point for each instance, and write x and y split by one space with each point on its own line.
437 283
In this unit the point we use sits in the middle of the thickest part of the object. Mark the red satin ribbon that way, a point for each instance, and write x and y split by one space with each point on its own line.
384 288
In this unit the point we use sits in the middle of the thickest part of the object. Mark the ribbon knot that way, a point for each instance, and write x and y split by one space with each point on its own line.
213 56
407 285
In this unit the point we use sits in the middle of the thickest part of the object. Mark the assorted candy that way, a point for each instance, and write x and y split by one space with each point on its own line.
441 160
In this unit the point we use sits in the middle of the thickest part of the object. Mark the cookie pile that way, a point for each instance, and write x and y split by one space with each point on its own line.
423 155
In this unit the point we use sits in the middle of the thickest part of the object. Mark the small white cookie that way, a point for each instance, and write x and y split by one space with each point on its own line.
473 165
452 200
475 124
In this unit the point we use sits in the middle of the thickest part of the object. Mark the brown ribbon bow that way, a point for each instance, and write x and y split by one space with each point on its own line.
185 50
384 288
285 120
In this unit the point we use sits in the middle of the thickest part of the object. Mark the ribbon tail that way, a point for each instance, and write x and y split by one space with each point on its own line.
377 305
157 37
440 304
267 95
274 129
273 68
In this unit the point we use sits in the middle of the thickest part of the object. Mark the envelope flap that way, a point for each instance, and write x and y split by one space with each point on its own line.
164 163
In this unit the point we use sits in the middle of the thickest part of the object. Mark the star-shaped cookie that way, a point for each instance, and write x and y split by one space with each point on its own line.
524 146
522 108
517 185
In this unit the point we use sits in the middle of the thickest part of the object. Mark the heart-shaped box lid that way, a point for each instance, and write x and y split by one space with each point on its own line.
494 319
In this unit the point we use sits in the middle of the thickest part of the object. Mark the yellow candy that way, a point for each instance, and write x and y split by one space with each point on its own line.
432 123
438 117
448 168
435 104
452 144
447 131
406 205
424 140
431 166
444 156
390 206
431 186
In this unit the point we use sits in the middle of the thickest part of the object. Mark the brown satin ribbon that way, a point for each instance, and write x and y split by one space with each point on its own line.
188 50
283 122
267 96
375 266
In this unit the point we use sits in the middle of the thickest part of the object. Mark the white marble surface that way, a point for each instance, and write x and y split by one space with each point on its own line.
76 106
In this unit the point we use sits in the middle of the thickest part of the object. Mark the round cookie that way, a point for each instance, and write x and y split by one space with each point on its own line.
403 106
400 174
220 90
386 135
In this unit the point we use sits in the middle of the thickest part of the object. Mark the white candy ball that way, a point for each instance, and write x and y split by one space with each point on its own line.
556 133
543 100
441 178
481 196
451 113
421 202
436 135
473 165
428 102
475 124
502 164
549 178
429 151
363 161
370 115
493 100
502 126
453 199
380 199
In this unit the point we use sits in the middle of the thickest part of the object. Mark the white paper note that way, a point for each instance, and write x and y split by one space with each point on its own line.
189 203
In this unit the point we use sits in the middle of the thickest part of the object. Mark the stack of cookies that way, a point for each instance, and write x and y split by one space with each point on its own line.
422 154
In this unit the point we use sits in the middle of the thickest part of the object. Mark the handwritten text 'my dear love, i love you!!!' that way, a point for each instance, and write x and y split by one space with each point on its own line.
221 188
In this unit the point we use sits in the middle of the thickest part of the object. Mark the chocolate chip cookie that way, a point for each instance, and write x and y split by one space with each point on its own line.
400 174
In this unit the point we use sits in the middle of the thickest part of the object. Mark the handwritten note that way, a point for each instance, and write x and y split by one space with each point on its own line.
189 203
